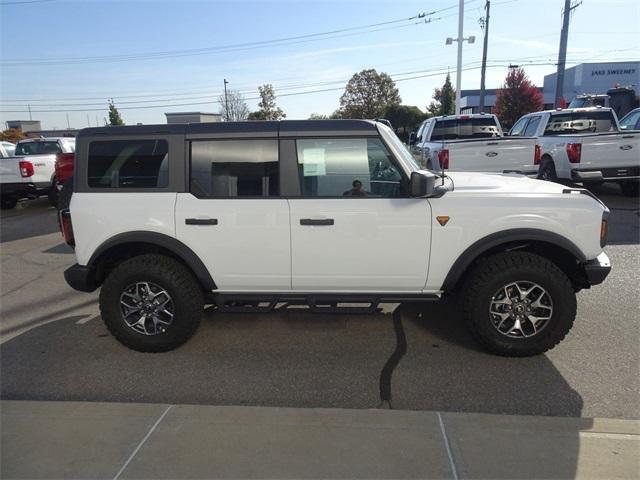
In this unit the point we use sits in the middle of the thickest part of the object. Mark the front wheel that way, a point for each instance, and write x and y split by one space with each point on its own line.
151 303
52 195
9 202
518 304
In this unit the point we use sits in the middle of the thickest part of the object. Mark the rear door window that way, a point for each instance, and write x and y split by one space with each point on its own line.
580 122
465 128
234 168
518 129
128 164
532 127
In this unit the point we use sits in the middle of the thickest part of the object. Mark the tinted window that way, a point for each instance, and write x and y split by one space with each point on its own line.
530 131
128 164
518 128
10 149
353 167
234 168
580 122
461 128
37 148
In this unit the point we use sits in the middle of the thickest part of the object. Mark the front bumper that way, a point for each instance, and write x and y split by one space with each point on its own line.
596 270
605 174
80 278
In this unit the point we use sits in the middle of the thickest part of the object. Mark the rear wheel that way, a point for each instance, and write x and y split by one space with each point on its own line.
52 195
630 189
548 171
518 304
151 303
64 195
8 203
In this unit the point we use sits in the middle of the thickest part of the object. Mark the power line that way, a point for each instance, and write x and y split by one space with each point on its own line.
24 2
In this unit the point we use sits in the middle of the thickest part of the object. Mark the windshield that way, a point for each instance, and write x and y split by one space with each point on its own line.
465 128
580 122
402 149
37 148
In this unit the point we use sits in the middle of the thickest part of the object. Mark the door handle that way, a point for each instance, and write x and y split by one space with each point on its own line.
493 143
626 147
201 221
628 136
312 221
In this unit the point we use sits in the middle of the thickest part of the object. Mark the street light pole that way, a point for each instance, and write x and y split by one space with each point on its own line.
226 101
483 71
459 67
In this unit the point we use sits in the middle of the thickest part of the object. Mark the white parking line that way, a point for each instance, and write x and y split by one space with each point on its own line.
146 437
88 318
452 464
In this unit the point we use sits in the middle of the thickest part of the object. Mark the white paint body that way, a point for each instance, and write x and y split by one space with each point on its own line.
618 150
375 245
495 154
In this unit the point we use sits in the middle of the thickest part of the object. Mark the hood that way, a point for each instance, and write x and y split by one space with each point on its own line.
499 183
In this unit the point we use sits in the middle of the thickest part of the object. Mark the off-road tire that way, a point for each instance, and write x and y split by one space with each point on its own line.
548 171
490 274
7 203
630 189
172 276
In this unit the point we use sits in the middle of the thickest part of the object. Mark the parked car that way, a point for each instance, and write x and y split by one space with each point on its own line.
164 218
631 121
7 149
16 181
584 145
42 152
473 143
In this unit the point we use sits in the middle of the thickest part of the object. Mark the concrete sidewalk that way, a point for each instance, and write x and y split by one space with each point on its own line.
115 440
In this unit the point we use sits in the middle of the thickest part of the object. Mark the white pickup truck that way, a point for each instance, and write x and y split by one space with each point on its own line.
584 145
30 170
472 143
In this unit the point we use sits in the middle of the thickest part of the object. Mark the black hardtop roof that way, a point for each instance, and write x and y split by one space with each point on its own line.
275 127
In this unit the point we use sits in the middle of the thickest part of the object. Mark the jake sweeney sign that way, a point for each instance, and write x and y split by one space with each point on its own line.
613 71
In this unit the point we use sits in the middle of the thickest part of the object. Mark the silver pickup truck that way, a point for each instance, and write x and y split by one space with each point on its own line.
472 143
584 145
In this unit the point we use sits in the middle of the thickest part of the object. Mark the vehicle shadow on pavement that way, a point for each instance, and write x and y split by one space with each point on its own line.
624 222
417 358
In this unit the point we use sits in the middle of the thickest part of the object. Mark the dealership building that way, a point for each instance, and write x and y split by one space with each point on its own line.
595 78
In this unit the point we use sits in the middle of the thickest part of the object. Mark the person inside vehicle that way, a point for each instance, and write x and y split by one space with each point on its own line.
356 191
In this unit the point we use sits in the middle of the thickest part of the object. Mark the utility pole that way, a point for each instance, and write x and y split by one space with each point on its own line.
29 107
459 67
485 25
460 39
562 54
68 124
226 101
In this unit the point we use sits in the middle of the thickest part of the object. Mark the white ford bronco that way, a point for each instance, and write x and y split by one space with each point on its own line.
168 218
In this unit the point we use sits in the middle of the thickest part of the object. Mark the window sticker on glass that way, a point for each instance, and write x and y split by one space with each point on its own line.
313 162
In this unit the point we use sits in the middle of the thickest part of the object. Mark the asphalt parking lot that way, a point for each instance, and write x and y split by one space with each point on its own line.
55 347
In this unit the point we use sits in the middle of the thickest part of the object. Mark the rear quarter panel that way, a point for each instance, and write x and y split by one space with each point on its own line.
97 217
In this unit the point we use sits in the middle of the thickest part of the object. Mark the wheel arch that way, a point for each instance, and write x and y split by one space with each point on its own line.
130 244
556 248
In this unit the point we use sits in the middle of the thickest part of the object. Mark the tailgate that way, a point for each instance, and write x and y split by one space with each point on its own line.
43 167
493 155
615 150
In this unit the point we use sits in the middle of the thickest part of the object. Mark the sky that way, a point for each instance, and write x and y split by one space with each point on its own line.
65 58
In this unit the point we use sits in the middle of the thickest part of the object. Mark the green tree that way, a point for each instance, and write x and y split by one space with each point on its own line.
114 114
517 97
367 95
268 108
233 108
318 116
444 99
404 119
258 115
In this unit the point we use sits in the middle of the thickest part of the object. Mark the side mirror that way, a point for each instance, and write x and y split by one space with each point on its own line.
422 185
412 138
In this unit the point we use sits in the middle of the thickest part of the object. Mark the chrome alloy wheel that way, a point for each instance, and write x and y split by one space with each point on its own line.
146 308
520 309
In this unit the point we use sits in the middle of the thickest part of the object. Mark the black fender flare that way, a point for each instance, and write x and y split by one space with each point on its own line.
485 244
164 241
